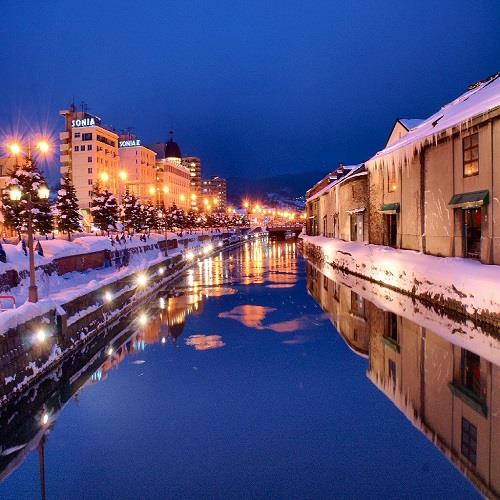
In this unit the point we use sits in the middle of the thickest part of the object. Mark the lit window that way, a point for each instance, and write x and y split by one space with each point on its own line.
391 179
471 154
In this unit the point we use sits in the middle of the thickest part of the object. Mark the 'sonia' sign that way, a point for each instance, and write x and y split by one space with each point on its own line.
83 122
130 143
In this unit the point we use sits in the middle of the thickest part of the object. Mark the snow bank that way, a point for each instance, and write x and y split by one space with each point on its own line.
462 284
464 333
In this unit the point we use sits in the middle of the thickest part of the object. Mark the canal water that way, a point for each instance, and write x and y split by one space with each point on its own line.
259 376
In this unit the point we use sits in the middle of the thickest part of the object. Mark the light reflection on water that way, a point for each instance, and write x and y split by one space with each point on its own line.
238 379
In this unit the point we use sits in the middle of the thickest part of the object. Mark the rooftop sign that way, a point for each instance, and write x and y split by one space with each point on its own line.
130 143
88 121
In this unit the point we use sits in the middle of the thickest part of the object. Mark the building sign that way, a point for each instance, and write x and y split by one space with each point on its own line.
83 122
130 143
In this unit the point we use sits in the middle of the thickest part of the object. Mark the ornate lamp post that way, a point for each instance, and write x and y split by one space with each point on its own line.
16 194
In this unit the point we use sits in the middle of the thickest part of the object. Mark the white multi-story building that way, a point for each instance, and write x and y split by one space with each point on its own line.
89 153
137 171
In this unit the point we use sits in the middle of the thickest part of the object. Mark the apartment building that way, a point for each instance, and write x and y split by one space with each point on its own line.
90 154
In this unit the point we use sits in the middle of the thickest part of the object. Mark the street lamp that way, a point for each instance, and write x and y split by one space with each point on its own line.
15 148
15 194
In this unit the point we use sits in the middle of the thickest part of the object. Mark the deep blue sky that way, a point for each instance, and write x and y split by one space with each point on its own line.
252 87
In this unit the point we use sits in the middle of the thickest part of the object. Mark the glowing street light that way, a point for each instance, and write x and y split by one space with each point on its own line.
41 335
123 175
107 296
105 177
43 146
15 148
143 319
45 418
142 280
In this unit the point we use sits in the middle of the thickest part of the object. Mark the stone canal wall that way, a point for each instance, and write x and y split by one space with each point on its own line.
52 331
463 286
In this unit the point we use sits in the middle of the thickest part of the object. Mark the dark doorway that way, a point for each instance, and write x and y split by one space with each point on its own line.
472 233
392 230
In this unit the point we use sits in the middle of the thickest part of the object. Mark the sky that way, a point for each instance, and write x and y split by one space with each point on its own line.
252 87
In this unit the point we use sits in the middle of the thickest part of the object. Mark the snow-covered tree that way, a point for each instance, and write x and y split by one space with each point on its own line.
130 212
176 218
192 218
104 209
150 216
28 179
68 215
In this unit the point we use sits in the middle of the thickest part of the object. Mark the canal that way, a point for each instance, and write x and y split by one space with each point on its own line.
256 375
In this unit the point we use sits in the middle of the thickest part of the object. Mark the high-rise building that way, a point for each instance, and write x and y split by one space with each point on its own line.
193 163
214 193
137 168
89 153
174 179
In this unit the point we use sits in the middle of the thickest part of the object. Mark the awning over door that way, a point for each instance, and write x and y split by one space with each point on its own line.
470 200
390 208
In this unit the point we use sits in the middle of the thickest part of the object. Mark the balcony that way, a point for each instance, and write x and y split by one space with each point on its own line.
64 147
65 158
63 136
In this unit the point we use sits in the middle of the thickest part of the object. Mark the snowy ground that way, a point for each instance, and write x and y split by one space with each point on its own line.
453 280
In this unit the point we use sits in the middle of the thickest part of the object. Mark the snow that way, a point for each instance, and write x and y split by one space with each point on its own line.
466 281
465 333
475 102
353 172
410 123
54 290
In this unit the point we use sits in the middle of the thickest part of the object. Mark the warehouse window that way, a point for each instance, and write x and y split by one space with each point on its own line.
391 179
471 155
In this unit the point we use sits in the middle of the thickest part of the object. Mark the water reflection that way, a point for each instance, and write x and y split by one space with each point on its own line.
443 374
26 422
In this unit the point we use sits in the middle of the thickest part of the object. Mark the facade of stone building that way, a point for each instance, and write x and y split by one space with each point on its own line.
337 207
434 188
436 192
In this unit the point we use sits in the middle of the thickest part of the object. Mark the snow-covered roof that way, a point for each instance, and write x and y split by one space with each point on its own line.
352 171
479 99
410 123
